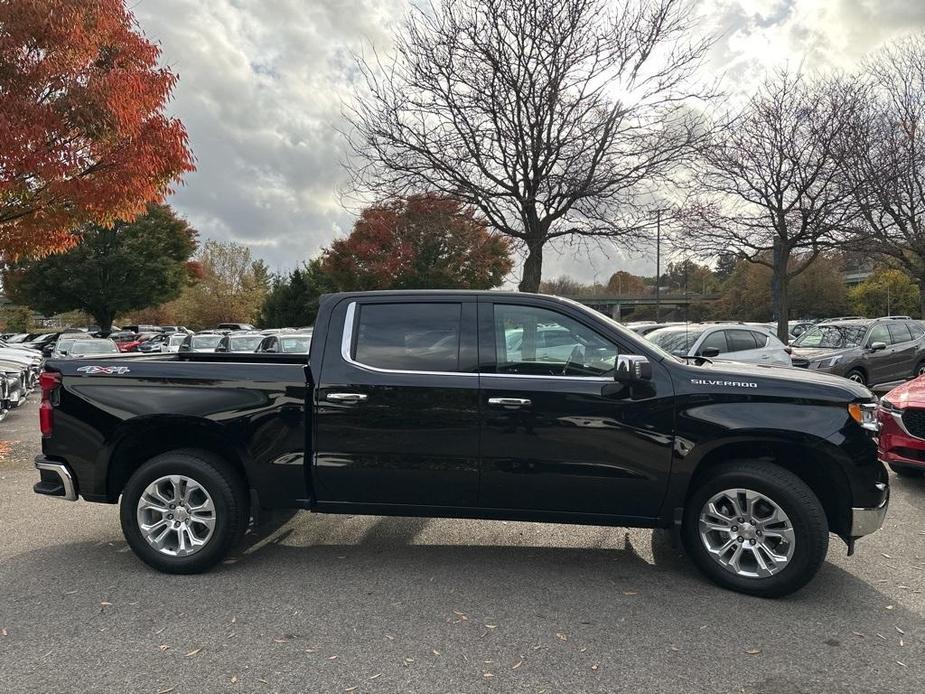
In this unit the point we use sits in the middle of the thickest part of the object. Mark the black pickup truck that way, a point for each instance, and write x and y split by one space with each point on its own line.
471 405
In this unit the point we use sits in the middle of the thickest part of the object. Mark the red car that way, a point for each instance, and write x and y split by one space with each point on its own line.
902 428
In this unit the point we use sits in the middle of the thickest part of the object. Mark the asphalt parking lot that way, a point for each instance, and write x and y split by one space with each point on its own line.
366 604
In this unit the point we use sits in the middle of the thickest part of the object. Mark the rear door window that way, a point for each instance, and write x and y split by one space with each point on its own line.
899 332
409 336
741 340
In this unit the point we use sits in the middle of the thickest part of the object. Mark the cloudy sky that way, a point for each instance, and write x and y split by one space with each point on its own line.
262 82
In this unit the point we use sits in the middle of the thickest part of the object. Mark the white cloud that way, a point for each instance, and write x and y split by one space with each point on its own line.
261 83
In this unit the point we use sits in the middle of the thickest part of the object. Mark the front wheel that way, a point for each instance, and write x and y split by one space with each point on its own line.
183 511
919 369
756 528
857 376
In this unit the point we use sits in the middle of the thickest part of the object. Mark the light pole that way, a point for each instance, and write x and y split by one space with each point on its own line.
658 265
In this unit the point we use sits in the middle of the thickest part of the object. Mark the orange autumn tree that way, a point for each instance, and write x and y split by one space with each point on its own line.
83 134
423 241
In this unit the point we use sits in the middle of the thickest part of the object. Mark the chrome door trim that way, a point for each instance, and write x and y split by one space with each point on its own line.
346 346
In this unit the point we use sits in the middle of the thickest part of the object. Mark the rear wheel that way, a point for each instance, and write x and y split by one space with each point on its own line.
183 511
756 528
919 369
857 376
907 470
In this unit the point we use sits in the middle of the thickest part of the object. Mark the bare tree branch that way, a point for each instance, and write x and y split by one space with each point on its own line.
555 118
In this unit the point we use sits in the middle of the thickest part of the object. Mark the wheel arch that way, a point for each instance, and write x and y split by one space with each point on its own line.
810 461
143 438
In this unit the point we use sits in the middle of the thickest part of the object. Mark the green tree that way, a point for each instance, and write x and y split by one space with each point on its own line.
292 301
16 319
231 287
887 292
111 270
818 293
688 276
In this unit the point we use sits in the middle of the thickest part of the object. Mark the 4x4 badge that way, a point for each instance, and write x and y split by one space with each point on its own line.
104 370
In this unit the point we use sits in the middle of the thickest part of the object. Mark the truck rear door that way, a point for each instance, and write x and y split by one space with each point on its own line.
396 411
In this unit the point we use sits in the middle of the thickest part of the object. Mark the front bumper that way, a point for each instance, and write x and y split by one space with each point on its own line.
865 521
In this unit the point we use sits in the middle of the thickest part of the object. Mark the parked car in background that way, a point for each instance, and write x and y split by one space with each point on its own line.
63 344
731 341
868 351
798 327
239 341
175 329
154 343
235 326
200 342
173 342
286 343
646 328
141 328
91 347
902 428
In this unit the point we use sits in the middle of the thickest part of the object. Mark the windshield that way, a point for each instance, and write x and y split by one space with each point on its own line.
831 336
244 343
176 340
64 345
205 341
94 347
675 340
295 345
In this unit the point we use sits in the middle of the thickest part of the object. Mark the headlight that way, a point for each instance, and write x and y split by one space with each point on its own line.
865 414
826 363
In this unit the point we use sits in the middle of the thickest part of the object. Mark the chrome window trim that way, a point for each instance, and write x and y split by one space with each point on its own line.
346 345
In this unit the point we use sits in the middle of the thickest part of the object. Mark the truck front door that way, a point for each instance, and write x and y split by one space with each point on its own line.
396 415
558 434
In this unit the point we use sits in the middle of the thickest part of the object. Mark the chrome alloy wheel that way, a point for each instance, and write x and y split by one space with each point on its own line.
746 533
176 515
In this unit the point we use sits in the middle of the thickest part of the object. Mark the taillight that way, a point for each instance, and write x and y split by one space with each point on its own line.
48 382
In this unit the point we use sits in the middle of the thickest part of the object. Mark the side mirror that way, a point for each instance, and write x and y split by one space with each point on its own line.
709 352
631 368
221 348
184 348
63 352
877 346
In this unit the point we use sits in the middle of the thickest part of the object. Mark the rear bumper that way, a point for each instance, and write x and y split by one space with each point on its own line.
57 479
865 521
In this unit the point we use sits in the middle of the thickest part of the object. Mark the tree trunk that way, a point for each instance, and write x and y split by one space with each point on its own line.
922 298
533 267
780 290
104 318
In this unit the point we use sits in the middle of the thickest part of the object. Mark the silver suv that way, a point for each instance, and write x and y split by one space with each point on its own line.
730 341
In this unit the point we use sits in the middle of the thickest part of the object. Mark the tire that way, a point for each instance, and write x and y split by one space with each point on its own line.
919 369
805 517
906 470
857 376
208 479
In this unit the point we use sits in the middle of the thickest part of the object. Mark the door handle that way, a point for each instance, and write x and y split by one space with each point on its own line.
346 397
509 403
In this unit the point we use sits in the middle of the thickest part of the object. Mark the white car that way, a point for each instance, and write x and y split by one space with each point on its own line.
729 341
201 342
173 342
